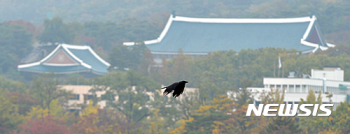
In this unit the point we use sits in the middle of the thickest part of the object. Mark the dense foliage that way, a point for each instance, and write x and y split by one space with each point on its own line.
39 104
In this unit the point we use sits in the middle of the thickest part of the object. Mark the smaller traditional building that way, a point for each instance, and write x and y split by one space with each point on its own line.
67 59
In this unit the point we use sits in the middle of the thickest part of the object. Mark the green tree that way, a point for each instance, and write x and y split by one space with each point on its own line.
15 43
204 123
131 89
46 88
56 32
9 116
308 123
24 101
147 63
337 122
244 96
12 86
123 57
281 125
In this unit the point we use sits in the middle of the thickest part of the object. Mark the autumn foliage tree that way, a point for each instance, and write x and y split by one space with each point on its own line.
44 125
9 116
285 125
203 121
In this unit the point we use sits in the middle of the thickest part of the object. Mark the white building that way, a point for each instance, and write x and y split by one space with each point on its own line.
330 79
81 95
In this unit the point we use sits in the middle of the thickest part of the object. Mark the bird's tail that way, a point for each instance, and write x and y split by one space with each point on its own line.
165 93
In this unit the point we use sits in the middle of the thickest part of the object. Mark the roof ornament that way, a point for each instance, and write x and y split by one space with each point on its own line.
174 14
312 14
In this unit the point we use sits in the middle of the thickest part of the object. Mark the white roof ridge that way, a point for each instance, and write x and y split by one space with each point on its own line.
87 48
244 20
53 52
65 47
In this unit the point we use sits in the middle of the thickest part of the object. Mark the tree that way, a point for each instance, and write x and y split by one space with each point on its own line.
46 88
44 125
131 88
169 110
9 116
15 43
88 122
163 74
310 124
56 32
206 116
204 123
281 125
25 102
95 120
54 109
12 86
179 67
147 63
244 96
157 126
122 55
337 122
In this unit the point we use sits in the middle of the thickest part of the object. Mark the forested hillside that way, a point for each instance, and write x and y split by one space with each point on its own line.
38 105
333 15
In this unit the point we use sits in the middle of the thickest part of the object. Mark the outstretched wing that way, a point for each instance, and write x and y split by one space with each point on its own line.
170 88
179 90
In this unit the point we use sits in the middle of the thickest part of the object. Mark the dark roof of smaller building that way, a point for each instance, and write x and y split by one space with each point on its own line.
65 59
203 35
38 53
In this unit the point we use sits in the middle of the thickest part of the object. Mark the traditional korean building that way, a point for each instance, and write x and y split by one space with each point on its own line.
200 36
67 59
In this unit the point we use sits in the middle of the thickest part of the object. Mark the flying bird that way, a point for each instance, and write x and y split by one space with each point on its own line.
177 87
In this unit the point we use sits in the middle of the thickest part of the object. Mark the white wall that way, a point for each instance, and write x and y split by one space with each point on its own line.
336 74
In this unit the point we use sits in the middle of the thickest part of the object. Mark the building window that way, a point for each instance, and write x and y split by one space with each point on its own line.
89 96
74 97
285 87
297 87
291 88
295 103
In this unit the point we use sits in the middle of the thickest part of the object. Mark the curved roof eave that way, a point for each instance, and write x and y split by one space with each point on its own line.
53 52
66 48
68 72
86 48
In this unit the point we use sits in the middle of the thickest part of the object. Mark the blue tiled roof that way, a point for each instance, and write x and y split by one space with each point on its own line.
208 37
86 60
91 60
203 35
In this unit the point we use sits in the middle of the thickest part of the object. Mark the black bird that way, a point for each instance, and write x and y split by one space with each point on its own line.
177 87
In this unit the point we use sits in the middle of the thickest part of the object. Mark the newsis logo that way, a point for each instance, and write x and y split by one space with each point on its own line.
289 111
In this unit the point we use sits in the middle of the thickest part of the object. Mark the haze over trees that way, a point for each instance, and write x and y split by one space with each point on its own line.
29 105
